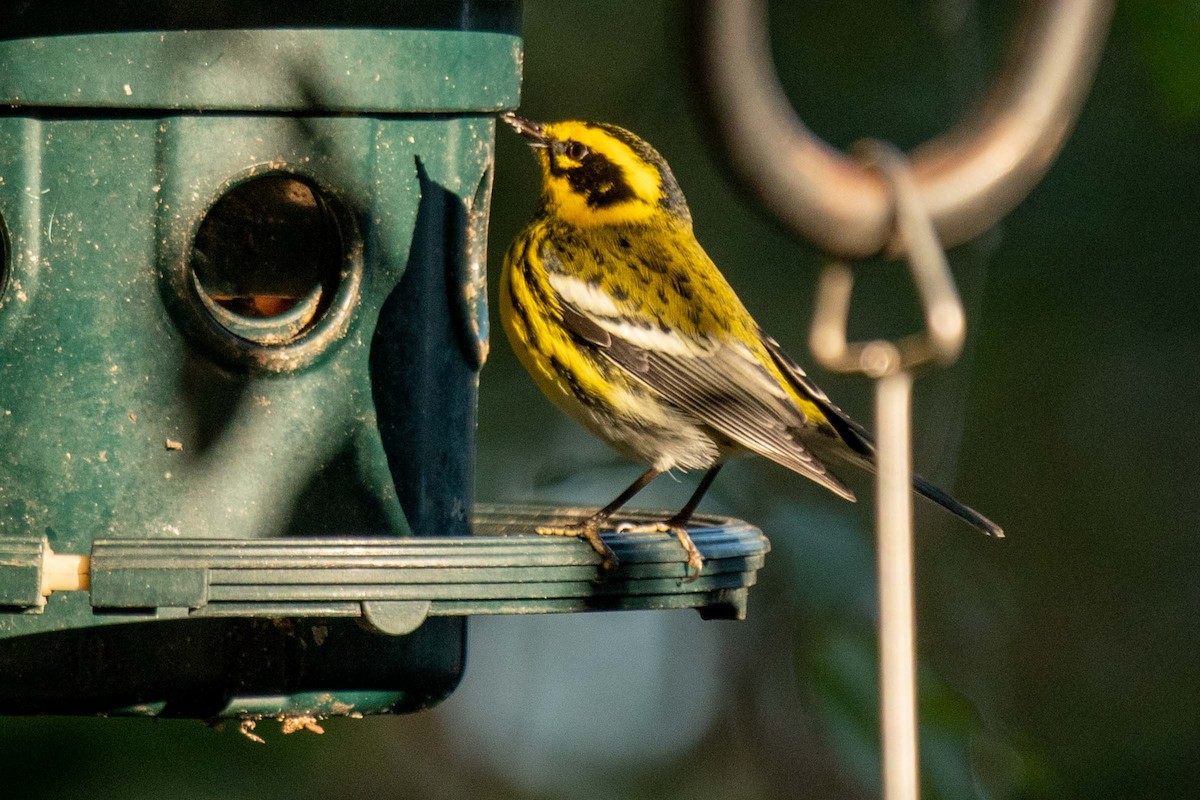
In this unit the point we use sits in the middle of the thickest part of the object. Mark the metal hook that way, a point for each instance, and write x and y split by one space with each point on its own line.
969 177
945 321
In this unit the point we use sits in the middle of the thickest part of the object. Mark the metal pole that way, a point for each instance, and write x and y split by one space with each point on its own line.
897 634
891 364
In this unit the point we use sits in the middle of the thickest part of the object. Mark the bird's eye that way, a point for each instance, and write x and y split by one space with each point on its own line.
575 151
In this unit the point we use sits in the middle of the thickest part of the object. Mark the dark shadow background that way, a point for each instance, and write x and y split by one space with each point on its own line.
1059 663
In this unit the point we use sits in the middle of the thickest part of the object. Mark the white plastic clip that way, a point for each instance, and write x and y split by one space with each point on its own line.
62 572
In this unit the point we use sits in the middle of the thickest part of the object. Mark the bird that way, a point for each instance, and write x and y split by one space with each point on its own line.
624 322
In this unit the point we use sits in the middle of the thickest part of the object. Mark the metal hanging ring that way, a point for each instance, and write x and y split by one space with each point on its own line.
945 321
968 178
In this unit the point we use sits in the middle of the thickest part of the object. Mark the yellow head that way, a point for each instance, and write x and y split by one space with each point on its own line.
598 174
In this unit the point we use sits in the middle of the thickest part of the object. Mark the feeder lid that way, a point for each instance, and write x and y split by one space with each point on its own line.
352 70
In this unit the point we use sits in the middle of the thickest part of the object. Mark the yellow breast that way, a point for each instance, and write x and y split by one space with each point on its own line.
564 373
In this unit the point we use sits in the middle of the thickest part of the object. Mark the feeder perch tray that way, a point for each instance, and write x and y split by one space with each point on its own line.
394 584
263 628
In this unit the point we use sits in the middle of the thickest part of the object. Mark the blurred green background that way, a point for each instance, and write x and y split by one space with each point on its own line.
1059 663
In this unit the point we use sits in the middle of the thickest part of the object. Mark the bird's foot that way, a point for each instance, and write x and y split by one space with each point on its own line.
589 531
695 561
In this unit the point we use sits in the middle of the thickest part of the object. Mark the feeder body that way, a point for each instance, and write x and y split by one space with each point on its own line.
139 402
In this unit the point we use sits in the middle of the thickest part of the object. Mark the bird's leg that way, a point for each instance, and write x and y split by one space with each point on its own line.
589 529
678 525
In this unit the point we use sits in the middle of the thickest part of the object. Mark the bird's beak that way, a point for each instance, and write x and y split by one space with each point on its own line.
530 130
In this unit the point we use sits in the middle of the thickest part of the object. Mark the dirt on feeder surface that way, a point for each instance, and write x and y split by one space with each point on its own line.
287 724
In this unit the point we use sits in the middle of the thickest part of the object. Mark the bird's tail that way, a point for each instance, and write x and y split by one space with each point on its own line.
965 512
862 445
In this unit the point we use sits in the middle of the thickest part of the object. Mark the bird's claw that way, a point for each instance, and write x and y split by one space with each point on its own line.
589 532
645 527
695 561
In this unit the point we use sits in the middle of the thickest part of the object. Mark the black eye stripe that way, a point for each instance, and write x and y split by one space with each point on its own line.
601 181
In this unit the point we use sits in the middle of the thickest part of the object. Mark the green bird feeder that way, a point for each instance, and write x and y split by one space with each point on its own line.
242 318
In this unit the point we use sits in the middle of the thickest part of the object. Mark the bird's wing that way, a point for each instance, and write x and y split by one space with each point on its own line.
715 377
857 437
